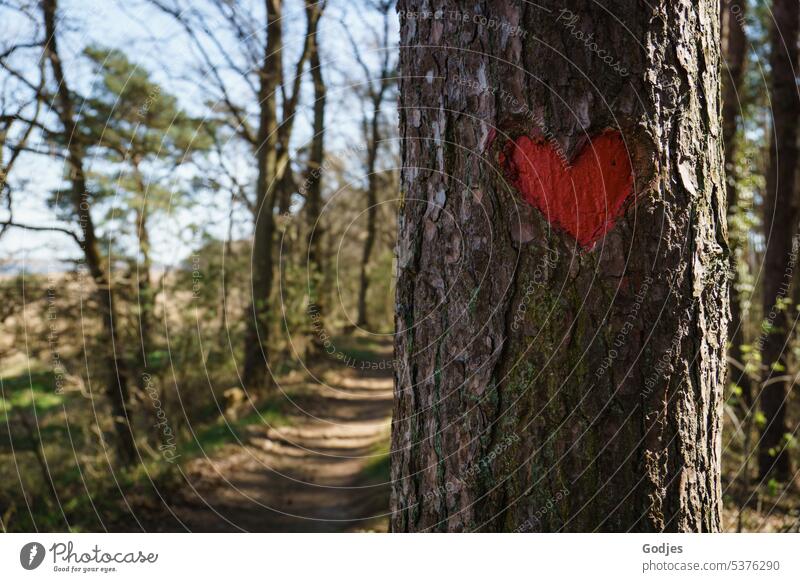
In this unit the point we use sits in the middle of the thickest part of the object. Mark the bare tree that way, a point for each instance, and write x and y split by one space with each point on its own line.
312 188
62 102
377 89
117 388
275 94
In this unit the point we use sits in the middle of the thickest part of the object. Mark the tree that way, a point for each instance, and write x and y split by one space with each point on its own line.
117 381
562 292
734 46
135 125
275 94
376 93
13 143
780 224
257 338
312 188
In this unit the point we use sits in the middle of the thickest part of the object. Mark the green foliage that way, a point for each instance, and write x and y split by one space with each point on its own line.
28 392
224 432
377 469
773 486
133 118
137 135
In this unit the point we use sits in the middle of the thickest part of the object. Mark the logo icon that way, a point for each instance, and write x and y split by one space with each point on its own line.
31 555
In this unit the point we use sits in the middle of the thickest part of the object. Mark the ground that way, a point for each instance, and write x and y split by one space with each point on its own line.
324 469
314 457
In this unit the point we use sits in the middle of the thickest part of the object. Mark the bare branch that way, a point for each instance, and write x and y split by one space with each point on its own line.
68 232
243 126
12 49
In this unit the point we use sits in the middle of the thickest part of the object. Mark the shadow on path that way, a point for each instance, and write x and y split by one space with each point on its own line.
327 471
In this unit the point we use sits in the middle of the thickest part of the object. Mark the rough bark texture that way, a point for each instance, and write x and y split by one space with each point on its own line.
780 223
275 182
146 295
734 47
313 186
372 213
542 386
254 374
117 389
377 92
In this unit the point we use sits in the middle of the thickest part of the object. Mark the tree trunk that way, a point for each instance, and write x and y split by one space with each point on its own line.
254 374
313 184
372 208
117 389
372 134
144 269
780 222
275 183
732 19
546 384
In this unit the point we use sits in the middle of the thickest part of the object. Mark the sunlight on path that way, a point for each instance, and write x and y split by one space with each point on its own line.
326 471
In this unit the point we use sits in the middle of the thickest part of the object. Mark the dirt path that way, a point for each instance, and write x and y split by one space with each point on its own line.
326 471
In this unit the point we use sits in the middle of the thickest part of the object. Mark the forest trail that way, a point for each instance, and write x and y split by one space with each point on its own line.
324 470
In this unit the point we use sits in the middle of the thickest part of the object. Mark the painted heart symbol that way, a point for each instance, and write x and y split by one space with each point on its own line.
585 198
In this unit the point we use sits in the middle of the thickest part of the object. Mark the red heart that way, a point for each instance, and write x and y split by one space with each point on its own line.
586 198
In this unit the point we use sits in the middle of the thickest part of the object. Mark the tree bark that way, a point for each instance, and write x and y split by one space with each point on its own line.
377 93
780 223
117 389
372 212
146 298
274 185
257 338
313 184
544 385
732 19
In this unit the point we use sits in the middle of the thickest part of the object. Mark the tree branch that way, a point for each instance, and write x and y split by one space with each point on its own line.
68 232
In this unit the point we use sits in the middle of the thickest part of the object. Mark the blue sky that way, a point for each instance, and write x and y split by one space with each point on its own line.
158 43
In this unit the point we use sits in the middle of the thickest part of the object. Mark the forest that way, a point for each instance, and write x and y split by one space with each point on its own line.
399 266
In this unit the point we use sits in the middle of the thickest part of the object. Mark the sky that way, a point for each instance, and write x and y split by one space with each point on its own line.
156 42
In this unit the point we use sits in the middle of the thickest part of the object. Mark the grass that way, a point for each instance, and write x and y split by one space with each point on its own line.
363 348
23 391
37 390
223 432
377 467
